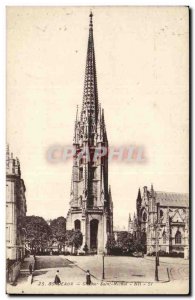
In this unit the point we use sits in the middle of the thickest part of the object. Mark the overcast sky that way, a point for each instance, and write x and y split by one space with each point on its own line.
142 74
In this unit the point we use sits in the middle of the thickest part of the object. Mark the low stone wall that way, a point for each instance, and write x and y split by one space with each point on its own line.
13 272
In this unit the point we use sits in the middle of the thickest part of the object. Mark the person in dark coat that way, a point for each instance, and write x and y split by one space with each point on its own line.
57 278
88 278
30 268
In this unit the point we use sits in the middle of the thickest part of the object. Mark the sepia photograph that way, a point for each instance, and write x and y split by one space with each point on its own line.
97 150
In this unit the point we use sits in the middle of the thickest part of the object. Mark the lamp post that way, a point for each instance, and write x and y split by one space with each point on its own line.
156 261
157 242
103 254
103 271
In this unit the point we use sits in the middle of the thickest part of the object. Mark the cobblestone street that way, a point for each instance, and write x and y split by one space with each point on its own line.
135 274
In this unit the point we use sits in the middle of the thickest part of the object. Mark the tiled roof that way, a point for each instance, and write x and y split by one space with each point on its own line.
172 199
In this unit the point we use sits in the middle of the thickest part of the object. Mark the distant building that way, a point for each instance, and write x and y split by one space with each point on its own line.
15 209
132 226
119 228
172 212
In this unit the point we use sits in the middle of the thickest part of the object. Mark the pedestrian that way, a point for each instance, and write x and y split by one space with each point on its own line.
30 268
57 278
30 279
88 278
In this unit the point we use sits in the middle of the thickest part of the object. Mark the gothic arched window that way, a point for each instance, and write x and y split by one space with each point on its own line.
77 225
178 237
161 213
144 216
164 237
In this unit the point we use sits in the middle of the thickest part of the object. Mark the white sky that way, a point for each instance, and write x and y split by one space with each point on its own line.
142 73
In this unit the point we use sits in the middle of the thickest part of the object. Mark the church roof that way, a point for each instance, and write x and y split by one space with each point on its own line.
172 199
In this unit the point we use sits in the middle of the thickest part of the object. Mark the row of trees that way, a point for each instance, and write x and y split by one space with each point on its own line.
124 243
40 235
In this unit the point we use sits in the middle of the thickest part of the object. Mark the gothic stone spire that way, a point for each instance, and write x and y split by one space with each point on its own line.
129 217
91 200
90 95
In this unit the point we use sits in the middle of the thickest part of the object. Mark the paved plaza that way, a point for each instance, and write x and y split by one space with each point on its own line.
122 275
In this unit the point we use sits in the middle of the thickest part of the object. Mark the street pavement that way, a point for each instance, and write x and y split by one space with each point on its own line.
122 275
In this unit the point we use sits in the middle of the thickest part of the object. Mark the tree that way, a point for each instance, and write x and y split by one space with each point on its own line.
111 243
58 229
77 239
37 231
74 238
124 241
137 246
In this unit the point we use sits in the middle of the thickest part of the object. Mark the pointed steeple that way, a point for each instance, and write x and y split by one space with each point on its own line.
7 151
110 198
104 128
129 217
90 96
75 127
152 191
89 183
139 194
7 156
139 199
110 190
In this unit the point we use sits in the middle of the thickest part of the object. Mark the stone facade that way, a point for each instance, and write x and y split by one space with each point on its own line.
163 217
91 208
15 208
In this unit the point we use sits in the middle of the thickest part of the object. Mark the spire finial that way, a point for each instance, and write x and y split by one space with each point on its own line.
91 20
152 190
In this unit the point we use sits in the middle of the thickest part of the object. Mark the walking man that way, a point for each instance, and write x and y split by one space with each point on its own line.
30 268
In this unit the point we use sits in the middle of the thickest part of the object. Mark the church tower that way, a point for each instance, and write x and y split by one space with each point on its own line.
91 207
130 224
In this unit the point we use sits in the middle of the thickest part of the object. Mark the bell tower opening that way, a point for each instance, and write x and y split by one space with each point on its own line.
94 234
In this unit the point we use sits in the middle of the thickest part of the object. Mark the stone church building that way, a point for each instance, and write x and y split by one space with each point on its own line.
91 207
162 218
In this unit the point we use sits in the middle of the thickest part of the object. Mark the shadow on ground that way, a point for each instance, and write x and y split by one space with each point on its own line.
37 273
46 262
